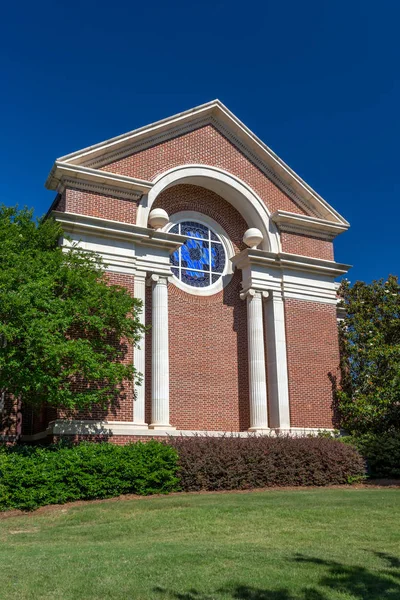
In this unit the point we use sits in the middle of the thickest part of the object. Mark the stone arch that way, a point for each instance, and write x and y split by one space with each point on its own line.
229 187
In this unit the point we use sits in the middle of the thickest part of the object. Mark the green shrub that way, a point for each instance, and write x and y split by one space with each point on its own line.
381 451
32 476
232 462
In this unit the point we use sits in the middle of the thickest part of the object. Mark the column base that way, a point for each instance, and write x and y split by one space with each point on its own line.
259 429
157 427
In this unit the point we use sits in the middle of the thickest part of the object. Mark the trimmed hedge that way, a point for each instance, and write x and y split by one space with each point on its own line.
381 451
232 463
32 476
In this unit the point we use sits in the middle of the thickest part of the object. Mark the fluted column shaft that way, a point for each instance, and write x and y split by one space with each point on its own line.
256 354
159 354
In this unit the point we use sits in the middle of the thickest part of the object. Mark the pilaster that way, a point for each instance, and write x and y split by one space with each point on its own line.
139 354
278 388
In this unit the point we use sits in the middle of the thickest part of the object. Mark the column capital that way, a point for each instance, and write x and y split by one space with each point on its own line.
140 274
252 293
158 279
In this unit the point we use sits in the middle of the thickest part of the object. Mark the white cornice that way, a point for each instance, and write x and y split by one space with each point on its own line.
296 277
285 260
214 112
115 230
124 248
305 225
64 174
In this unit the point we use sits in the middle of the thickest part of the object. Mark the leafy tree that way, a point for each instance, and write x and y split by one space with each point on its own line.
369 399
64 330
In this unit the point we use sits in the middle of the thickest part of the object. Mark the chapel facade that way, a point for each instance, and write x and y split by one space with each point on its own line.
232 256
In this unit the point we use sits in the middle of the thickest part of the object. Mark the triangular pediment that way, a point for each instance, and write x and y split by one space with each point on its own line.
92 161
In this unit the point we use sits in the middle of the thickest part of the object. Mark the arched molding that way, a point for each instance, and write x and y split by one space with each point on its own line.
229 187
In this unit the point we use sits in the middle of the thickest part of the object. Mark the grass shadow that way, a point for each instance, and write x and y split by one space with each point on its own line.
353 581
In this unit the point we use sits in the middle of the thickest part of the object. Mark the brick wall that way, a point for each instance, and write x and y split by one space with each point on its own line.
208 147
306 246
98 205
313 355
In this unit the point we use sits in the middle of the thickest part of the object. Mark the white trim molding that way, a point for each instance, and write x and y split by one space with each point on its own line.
228 186
309 226
64 175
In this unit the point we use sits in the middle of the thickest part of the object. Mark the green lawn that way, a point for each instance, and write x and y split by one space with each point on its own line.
276 545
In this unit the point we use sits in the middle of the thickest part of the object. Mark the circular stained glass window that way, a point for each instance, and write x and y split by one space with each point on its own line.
200 261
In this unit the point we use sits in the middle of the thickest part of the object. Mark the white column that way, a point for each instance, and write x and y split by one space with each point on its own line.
278 388
139 356
256 354
159 354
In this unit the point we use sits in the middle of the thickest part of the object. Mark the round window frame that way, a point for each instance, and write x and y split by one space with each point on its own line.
226 276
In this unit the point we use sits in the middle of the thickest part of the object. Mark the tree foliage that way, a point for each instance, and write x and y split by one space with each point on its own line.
369 399
64 330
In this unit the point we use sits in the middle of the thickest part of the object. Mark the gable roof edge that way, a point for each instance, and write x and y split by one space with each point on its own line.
217 110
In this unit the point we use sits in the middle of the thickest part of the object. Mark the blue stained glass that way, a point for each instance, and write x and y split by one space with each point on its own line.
217 258
202 256
195 278
196 230
195 254
175 258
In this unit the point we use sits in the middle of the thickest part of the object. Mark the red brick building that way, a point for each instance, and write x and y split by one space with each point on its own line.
231 253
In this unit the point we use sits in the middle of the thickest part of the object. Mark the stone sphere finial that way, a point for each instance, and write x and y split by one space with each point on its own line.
158 218
253 237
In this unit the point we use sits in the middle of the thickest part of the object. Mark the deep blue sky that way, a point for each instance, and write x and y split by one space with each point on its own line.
317 80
